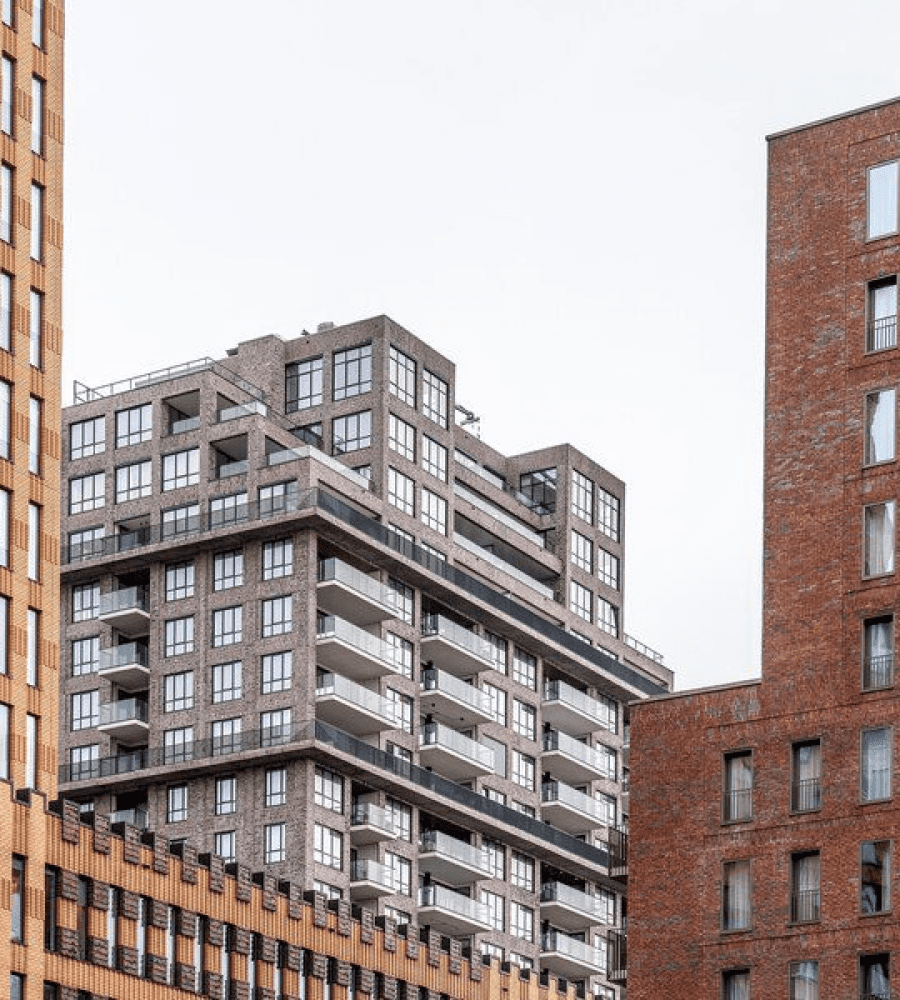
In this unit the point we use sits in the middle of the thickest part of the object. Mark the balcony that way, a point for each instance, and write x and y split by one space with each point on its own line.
453 700
805 905
369 880
878 672
127 610
453 648
450 912
125 720
568 809
572 711
133 817
126 666
351 707
351 594
370 824
881 333
453 755
566 956
617 956
806 795
450 860
573 761
352 651
253 406
569 908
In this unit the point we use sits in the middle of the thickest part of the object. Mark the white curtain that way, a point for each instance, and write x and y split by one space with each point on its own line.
737 986
736 893
805 981
879 541
876 764
878 981
806 887
881 419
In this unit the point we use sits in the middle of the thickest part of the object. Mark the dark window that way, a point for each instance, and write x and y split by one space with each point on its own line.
303 384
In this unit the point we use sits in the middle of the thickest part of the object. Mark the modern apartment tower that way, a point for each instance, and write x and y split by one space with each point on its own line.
765 817
316 627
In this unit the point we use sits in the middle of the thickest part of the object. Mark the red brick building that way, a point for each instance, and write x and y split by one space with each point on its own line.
764 814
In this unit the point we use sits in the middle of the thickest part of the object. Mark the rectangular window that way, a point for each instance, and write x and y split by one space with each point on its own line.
85 656
608 513
277 671
85 710
608 568
399 870
35 408
351 432
736 985
228 570
878 556
85 601
524 719
276 786
523 769
275 727
227 681
434 458
875 976
435 398
38 89
7 93
402 376
134 425
274 839
328 846
582 504
225 845
37 222
494 853
329 789
496 909
179 636
278 559
178 691
434 511
581 601
181 520
34 542
403 709
87 493
230 509
737 803
276 498
401 492
521 872
352 372
875 768
84 762
179 581
402 437
881 421
87 438
176 803
5 509
303 384
35 328
521 921
400 818
402 599
6 202
806 765
607 616
402 652
226 795
227 626
875 876
226 736
4 741
32 646
276 616
805 886
182 468
878 652
17 900
881 200
499 651
582 552
735 895
134 481
524 669
37 23
31 746
881 328
497 698
6 303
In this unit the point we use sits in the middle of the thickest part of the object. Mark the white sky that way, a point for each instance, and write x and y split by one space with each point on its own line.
566 197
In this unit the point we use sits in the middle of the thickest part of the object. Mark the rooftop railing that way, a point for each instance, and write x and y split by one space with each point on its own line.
643 649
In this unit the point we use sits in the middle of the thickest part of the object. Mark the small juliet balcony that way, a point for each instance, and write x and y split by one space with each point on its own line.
571 760
369 880
351 651
567 956
370 824
127 666
569 908
572 711
453 700
127 610
451 912
451 860
349 593
453 755
568 809
125 720
351 707
453 648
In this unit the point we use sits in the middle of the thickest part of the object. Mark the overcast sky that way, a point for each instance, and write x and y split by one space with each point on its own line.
566 197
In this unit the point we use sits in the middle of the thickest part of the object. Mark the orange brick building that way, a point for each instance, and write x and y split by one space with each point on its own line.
764 814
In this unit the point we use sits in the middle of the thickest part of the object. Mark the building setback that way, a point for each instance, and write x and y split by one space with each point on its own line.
765 813
315 627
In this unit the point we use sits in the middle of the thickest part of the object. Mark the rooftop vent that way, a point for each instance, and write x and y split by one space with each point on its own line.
327 325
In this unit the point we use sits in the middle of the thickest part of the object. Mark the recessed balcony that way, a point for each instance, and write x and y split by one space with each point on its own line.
450 860
369 880
570 810
569 908
450 912
571 760
453 755
125 720
453 700
567 956
126 666
351 707
133 817
453 648
127 610
370 824
349 593
572 711
351 651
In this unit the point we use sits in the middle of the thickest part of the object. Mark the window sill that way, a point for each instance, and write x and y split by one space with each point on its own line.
877 913
735 930
805 812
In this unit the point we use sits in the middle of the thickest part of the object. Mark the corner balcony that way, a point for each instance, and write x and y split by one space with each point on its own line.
126 666
450 860
452 699
369 880
453 755
566 956
571 760
453 648
351 594
127 610
569 908
125 720
370 824
351 651
450 912
351 707
572 711
133 817
570 810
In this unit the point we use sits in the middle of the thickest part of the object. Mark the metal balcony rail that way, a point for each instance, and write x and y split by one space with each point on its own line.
365 870
437 842
495 560
369 814
563 743
343 687
563 944
806 795
557 690
878 671
617 840
557 791
737 804
127 710
616 955
643 649
120 656
122 600
438 680
499 514
354 579
884 994
332 627
435 734
455 902
133 817
523 498
559 892
881 333
458 636
805 905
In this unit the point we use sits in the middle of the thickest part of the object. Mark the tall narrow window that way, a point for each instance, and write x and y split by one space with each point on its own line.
402 376
878 556
736 895
35 409
738 792
875 977
5 418
37 222
878 652
875 876
303 384
881 420
35 328
6 294
805 886
4 741
881 329
34 542
736 985
33 646
806 786
37 23
882 200
7 90
31 744
352 372
435 398
875 769
6 12
804 977
6 202
17 899
38 88
5 509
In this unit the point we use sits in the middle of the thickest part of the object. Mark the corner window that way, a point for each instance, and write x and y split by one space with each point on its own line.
878 546
806 784
435 398
881 327
735 895
875 876
881 420
878 652
805 886
881 200
737 805
875 766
